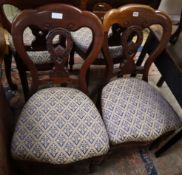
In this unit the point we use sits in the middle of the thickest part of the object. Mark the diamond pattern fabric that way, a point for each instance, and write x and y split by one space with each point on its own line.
28 37
59 126
134 111
38 57
82 39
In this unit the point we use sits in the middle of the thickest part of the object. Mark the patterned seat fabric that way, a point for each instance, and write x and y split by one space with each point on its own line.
134 111
82 39
28 37
59 126
38 57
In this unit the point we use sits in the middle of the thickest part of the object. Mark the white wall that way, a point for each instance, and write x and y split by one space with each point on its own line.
172 7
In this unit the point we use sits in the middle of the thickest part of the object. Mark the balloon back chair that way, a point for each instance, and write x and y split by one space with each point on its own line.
134 111
33 39
100 7
58 125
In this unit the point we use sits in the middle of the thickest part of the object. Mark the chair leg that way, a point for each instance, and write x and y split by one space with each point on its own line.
169 143
71 61
144 51
91 168
7 63
175 36
156 143
23 77
96 162
160 82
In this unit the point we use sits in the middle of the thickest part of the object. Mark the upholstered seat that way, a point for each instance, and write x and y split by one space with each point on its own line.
83 38
38 57
59 126
134 111
28 37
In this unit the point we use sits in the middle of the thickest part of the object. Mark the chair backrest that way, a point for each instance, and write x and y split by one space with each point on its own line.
2 44
58 20
104 4
27 4
134 19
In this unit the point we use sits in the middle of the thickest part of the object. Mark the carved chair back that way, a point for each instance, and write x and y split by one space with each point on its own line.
134 19
34 38
105 5
22 5
100 7
58 20
28 4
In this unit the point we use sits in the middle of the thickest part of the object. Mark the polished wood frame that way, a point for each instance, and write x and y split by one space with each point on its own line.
125 17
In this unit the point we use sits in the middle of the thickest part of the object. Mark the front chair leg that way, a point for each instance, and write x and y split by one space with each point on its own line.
71 61
96 162
23 76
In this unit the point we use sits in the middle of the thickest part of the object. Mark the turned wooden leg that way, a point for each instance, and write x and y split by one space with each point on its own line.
71 61
96 162
23 76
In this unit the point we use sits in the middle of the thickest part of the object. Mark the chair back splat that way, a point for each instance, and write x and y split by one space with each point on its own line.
134 19
58 20
101 6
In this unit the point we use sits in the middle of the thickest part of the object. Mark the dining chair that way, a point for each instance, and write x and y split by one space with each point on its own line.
95 4
33 39
100 7
5 115
59 125
134 111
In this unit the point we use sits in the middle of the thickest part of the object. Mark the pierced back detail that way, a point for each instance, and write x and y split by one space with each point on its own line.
28 4
133 19
60 53
58 20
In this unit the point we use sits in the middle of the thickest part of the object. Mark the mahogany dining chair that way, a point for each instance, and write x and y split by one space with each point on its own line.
134 111
58 126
